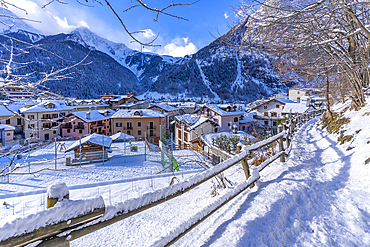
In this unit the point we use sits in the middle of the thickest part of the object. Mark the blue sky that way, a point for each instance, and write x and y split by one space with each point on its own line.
176 37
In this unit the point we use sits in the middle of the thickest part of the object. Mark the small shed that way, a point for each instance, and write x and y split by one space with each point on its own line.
90 149
122 137
7 133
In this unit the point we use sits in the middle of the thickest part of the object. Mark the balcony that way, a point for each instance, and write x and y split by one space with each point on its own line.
127 128
152 135
66 126
79 127
151 128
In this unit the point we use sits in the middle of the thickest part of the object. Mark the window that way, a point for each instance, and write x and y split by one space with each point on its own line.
31 117
228 124
215 130
7 121
129 125
80 131
243 128
266 114
138 124
265 107
55 115
277 106
19 121
151 140
273 114
8 134
274 123
235 119
68 130
128 132
266 122
61 114
118 124
54 132
139 132
297 92
179 134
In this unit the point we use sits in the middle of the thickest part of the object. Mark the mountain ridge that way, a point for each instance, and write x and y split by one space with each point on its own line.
219 71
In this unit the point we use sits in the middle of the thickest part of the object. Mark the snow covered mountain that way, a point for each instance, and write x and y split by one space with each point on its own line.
218 71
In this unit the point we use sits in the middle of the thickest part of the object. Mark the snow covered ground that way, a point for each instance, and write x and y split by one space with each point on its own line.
319 197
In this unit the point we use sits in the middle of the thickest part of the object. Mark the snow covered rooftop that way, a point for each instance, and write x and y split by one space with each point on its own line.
95 115
122 136
192 121
7 127
165 107
92 139
284 100
294 108
221 110
5 112
142 113
48 106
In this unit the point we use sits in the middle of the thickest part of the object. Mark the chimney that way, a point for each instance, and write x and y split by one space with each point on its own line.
105 113
88 115
128 94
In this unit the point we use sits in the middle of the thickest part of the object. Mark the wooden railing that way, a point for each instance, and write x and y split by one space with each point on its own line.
133 206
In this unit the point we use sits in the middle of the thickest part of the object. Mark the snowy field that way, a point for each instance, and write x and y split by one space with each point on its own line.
125 175
319 197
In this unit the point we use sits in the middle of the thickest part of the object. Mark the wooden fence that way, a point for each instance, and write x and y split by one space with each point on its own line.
150 200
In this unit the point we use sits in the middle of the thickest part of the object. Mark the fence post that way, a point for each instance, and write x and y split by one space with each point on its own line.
287 128
56 150
281 144
244 164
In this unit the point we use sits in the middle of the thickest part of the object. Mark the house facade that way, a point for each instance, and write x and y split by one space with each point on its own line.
115 100
296 94
226 116
139 123
82 123
8 117
171 112
190 126
270 111
41 120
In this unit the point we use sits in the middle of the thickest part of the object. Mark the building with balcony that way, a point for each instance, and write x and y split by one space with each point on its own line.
190 126
42 121
115 100
81 123
227 116
138 122
270 111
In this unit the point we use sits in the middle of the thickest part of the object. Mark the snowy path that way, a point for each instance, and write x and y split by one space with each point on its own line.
317 198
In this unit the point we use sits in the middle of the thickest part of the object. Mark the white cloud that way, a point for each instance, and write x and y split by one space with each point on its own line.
178 47
148 33
52 19
226 16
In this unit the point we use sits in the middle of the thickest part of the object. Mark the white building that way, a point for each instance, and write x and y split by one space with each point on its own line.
40 122
190 126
